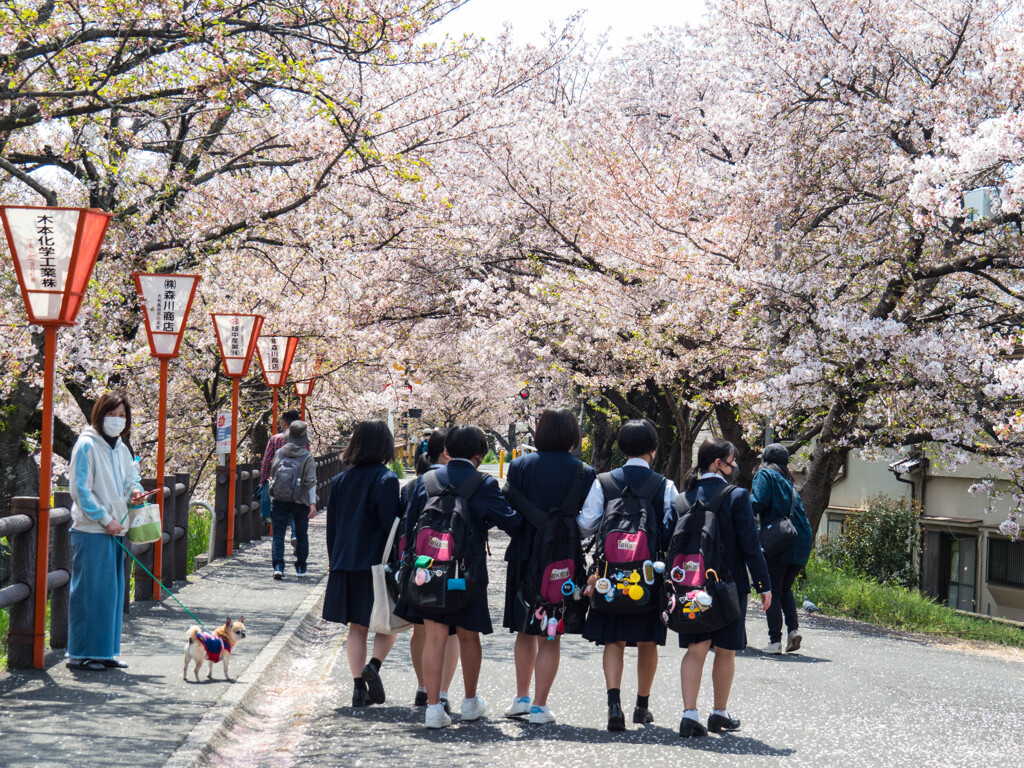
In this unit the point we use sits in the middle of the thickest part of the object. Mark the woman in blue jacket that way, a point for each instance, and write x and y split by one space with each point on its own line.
741 549
773 496
545 478
466 446
361 507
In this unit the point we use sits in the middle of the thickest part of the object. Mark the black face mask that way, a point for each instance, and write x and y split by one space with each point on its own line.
732 469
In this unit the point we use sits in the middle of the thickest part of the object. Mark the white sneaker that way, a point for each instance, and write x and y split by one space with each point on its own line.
473 709
773 649
541 715
793 641
437 717
520 707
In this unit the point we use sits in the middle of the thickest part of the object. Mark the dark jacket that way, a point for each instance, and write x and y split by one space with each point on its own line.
545 478
487 508
771 497
741 544
361 507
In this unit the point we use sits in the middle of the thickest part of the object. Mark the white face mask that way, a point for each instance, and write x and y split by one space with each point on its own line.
113 425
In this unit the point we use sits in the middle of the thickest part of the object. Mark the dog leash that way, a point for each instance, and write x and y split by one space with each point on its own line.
154 578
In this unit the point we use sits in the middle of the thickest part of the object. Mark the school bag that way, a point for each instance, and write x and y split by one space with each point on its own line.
287 482
549 600
700 593
437 562
624 578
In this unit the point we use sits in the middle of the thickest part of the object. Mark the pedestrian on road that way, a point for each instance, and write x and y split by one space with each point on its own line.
638 440
774 496
422 445
434 458
741 550
104 478
293 497
545 478
486 508
361 507
274 444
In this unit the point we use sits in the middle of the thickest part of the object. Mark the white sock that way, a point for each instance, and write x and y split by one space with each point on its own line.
466 699
444 695
421 689
722 712
439 707
691 714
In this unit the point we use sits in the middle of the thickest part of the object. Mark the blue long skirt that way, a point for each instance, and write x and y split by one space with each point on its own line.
96 602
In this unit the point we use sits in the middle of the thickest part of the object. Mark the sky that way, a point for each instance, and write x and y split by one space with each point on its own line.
529 18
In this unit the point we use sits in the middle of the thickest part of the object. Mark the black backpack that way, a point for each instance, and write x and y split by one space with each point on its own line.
438 560
624 577
287 481
700 594
551 587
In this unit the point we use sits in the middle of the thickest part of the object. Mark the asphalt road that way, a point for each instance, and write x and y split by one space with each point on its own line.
853 696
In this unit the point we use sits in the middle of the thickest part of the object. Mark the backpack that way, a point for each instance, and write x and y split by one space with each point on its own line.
438 560
700 594
624 578
287 482
549 599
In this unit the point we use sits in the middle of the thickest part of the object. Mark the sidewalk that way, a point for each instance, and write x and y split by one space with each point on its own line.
60 717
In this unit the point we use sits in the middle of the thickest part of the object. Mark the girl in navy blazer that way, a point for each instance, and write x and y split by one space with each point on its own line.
545 478
737 532
361 507
638 440
466 447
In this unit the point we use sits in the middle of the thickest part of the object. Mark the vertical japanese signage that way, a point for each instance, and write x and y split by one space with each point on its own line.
276 353
166 301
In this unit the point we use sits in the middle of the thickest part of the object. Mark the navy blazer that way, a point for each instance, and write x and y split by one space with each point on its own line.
487 508
737 531
361 507
545 478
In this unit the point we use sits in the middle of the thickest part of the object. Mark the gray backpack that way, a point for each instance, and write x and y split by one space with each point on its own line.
287 482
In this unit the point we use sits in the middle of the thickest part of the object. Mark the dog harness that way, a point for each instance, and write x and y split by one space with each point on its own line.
214 645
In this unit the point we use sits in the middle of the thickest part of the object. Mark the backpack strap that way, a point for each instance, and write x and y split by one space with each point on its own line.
609 487
468 486
533 514
577 491
432 485
650 487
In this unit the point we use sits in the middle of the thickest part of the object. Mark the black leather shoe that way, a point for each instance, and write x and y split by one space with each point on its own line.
374 686
719 723
421 699
642 715
689 728
616 719
360 698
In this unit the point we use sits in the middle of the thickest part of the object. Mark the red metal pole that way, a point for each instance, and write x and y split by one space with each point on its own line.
161 444
45 471
302 405
273 424
232 466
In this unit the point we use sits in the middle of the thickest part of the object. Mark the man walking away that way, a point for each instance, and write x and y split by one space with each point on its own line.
293 494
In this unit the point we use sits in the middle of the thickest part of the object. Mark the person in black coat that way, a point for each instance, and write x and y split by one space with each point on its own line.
545 478
741 550
466 447
362 505
638 440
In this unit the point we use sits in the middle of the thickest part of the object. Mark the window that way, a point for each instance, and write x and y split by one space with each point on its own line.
1006 562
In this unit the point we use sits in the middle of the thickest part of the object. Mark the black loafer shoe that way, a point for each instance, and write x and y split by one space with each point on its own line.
616 719
421 699
642 715
360 698
719 723
114 664
374 686
689 728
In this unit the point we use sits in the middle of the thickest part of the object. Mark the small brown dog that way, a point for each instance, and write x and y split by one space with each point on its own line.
212 647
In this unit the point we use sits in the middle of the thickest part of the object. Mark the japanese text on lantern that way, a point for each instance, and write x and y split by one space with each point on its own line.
235 338
275 355
167 309
47 265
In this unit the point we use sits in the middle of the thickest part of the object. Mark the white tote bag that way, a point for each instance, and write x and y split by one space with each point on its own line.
383 618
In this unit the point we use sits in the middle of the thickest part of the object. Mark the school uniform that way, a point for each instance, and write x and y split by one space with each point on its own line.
602 627
361 507
486 508
741 550
545 478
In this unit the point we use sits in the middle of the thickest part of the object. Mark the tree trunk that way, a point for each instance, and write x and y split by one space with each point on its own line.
602 437
19 473
732 430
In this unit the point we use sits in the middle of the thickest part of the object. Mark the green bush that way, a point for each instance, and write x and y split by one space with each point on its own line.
490 458
398 468
198 535
882 544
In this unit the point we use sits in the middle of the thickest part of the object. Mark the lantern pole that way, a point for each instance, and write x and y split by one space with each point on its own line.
161 447
232 465
302 406
45 473
273 424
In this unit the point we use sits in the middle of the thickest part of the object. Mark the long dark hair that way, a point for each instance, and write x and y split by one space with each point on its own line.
435 446
371 443
711 449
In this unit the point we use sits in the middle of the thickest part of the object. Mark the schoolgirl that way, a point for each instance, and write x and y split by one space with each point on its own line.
361 506
545 478
638 440
741 550
466 446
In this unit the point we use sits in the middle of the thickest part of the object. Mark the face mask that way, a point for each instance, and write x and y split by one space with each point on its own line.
113 425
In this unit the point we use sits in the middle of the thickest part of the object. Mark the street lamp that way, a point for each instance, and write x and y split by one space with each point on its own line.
276 354
236 336
304 389
166 300
54 251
